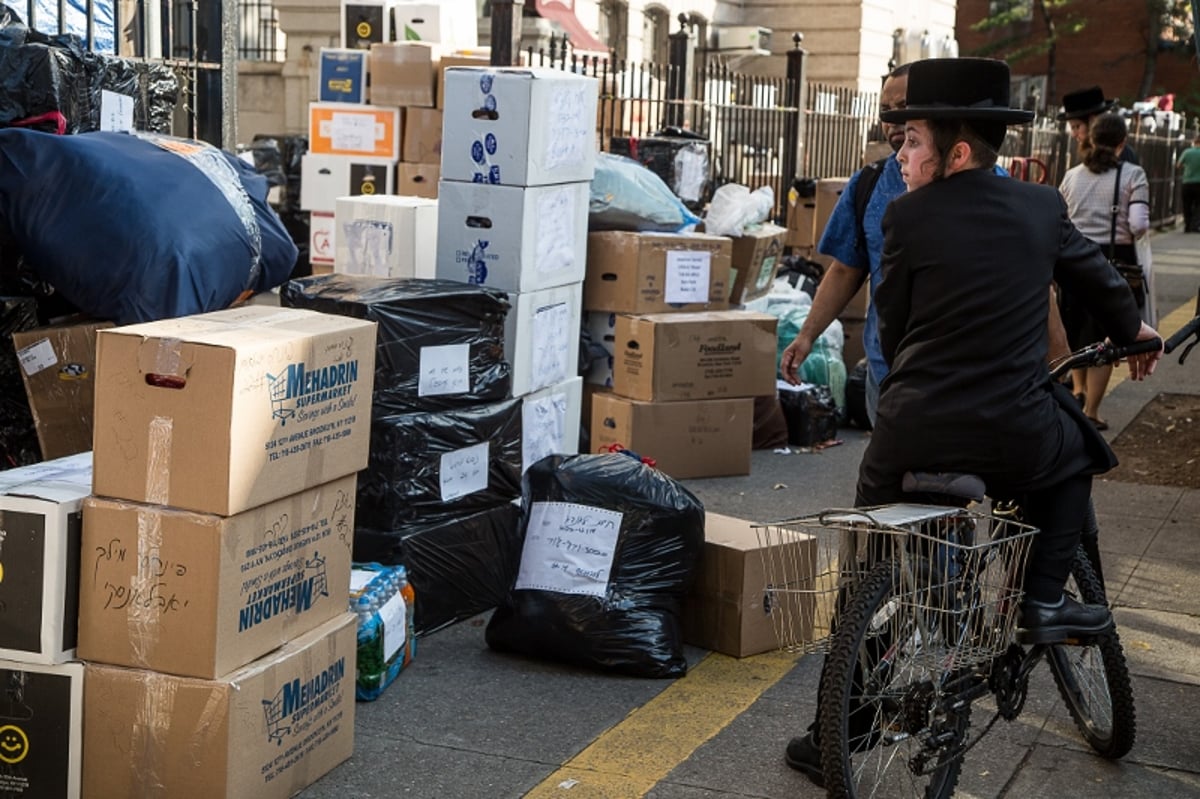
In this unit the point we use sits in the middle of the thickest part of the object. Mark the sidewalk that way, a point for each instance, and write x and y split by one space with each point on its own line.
465 722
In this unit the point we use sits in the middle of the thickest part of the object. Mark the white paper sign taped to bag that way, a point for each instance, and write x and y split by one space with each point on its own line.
37 356
687 276
569 548
395 625
463 471
116 113
444 370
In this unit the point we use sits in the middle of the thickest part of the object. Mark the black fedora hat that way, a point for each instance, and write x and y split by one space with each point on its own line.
974 89
1084 103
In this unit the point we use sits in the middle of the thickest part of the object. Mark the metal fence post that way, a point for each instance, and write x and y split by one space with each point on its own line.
506 32
677 72
794 128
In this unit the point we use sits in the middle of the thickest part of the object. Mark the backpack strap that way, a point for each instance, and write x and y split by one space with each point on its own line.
863 190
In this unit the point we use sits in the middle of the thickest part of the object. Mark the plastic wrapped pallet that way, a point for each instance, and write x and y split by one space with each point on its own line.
610 550
440 342
429 466
459 567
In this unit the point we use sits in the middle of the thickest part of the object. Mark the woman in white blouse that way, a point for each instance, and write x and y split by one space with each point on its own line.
1089 190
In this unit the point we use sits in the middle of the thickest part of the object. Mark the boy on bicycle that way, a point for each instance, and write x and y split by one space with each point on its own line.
967 264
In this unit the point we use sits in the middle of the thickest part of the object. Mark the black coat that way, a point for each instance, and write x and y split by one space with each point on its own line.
963 308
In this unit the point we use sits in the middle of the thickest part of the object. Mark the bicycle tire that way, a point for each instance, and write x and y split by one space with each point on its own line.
1094 679
853 720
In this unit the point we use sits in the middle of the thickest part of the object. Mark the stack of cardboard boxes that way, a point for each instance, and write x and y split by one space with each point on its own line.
684 368
518 155
212 606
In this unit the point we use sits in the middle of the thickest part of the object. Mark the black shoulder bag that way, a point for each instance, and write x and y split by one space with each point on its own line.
1131 272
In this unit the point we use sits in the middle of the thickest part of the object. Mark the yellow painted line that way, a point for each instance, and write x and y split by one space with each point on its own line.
627 760
1167 325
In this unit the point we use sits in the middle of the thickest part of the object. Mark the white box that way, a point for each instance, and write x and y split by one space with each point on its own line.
602 328
365 22
388 236
512 238
541 337
324 178
550 421
450 23
42 729
322 238
518 126
342 75
41 519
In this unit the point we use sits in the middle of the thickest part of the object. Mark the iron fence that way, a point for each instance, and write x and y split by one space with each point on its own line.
259 36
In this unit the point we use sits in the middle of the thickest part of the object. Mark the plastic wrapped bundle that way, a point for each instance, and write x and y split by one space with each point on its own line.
810 412
143 227
47 87
440 343
610 550
18 435
459 567
430 466
154 88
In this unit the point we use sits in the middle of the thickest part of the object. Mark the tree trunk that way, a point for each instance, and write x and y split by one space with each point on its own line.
1051 51
1154 18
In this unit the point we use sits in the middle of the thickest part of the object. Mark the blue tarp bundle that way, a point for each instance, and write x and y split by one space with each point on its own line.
140 227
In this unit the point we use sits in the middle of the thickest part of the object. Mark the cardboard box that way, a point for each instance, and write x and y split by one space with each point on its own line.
418 180
728 609
707 355
363 131
828 192
324 178
519 126
601 327
365 22
422 136
853 349
402 74
449 23
265 731
41 516
342 75
652 272
43 730
201 595
757 256
550 421
705 438
322 239
801 220
230 410
541 337
512 238
58 367
461 59
386 236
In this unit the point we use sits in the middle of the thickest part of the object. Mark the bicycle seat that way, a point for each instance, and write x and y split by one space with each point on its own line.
963 486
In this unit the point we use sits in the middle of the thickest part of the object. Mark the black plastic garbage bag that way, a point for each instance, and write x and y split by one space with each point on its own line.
856 396
440 343
811 414
18 435
135 228
610 550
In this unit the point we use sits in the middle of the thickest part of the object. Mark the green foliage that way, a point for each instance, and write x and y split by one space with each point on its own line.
1025 28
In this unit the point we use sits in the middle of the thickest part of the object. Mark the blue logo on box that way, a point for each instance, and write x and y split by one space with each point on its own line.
489 103
477 152
477 270
494 175
489 143
478 177
485 82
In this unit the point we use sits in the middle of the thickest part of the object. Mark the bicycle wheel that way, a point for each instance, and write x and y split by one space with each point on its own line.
1094 679
887 728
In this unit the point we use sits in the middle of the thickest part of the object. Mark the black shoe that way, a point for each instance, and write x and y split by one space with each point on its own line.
1069 621
803 755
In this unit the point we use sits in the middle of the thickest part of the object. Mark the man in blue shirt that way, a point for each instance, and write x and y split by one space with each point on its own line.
856 253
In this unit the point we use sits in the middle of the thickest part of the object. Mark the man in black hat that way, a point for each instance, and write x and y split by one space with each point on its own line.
967 264
1080 108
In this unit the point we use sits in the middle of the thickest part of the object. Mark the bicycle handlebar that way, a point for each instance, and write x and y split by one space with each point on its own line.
1101 354
1192 328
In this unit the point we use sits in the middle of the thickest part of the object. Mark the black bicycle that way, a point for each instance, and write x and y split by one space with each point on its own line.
921 603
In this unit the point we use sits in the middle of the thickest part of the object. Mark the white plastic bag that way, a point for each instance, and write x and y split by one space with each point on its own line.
734 208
